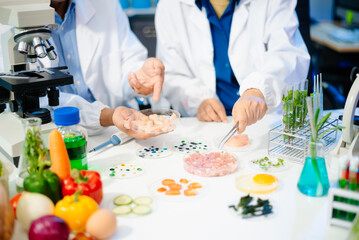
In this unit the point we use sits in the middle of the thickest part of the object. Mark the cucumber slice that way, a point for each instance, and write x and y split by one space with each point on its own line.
141 209
122 200
122 210
143 201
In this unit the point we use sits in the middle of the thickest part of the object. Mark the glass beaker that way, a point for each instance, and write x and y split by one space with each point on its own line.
33 151
314 179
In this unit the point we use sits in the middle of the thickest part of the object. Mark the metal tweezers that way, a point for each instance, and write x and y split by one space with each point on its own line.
228 136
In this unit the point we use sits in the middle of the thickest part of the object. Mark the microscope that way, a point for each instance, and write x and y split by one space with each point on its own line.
26 41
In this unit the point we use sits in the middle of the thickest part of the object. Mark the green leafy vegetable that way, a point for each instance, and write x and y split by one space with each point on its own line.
247 210
34 150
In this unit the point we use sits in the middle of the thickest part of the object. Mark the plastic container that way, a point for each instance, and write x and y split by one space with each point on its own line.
67 119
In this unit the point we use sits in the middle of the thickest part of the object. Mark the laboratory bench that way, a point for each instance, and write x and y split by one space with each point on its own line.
207 216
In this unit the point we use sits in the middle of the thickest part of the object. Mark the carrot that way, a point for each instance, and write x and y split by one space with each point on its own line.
190 192
167 182
195 185
183 181
162 189
173 192
175 186
60 162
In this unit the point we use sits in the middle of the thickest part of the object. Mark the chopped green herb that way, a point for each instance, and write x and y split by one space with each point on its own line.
265 163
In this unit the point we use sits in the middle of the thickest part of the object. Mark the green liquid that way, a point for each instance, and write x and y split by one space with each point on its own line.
76 148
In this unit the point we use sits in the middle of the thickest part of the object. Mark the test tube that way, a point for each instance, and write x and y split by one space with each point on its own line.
352 185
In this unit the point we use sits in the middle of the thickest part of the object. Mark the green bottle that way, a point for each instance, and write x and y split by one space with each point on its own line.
67 119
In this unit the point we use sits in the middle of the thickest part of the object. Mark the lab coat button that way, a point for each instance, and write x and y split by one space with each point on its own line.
78 82
68 56
62 28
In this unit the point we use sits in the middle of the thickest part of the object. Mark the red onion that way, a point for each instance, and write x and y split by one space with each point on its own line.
49 227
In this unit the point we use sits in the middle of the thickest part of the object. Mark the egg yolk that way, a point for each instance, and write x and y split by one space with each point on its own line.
264 179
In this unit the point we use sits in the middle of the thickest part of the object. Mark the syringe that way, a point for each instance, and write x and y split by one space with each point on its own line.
115 139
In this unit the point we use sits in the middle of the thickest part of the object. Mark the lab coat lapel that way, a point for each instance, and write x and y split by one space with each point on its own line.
87 40
201 42
239 20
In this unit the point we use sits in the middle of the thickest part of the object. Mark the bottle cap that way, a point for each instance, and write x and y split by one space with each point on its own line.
66 116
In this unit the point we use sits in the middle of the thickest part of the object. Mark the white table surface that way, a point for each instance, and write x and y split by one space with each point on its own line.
296 216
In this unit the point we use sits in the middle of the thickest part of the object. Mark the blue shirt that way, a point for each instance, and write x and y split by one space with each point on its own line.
66 47
226 84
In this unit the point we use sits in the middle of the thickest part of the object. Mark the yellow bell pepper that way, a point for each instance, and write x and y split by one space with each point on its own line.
75 210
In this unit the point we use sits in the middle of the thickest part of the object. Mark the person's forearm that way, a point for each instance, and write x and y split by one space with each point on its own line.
106 117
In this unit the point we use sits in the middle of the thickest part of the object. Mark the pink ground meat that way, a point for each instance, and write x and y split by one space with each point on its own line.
210 164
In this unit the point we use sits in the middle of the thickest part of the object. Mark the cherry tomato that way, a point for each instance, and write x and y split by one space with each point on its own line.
14 202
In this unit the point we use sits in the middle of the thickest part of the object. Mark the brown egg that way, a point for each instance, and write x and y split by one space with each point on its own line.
101 224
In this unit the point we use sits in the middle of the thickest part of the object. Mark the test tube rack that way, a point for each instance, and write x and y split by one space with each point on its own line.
292 146
338 207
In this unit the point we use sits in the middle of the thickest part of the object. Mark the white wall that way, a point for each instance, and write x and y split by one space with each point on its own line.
321 10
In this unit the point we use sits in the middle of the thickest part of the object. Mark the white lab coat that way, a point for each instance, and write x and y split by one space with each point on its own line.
266 51
108 50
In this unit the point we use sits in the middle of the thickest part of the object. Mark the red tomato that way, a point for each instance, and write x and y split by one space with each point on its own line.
14 202
82 236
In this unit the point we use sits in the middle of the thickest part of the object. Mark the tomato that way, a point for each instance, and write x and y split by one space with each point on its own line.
82 236
14 202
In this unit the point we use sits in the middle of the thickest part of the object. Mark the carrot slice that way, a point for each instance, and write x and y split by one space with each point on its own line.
183 181
167 182
195 185
162 189
190 192
173 192
175 186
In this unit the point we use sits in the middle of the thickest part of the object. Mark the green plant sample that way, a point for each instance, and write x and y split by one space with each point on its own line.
34 151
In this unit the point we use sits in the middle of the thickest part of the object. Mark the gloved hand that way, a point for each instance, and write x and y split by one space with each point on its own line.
249 108
149 78
122 117
211 110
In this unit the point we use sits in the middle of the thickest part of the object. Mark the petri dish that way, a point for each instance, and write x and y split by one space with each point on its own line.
188 146
213 164
154 121
269 164
153 152
177 189
257 183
